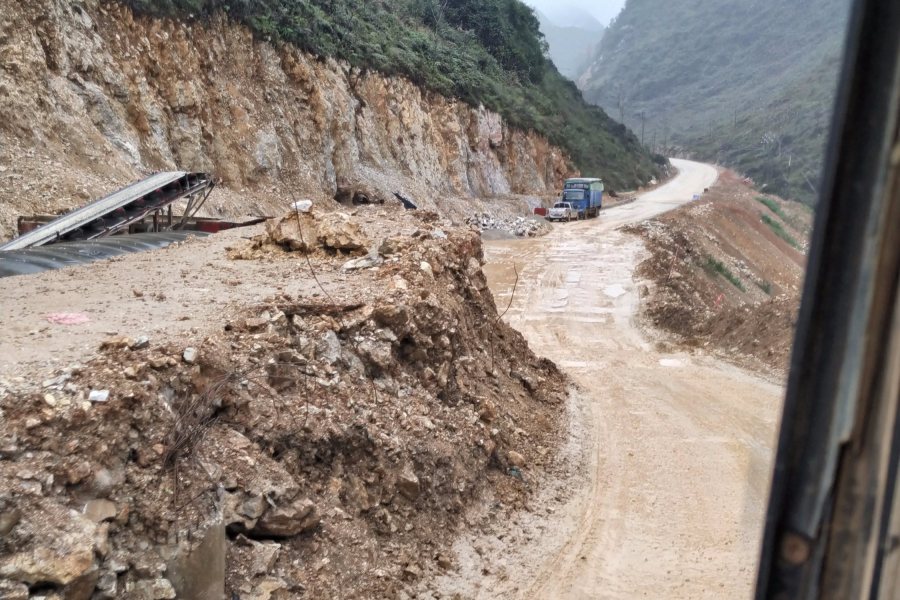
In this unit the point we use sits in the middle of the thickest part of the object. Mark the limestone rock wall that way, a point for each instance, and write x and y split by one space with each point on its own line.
93 96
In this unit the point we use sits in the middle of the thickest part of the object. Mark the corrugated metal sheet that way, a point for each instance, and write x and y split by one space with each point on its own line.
57 256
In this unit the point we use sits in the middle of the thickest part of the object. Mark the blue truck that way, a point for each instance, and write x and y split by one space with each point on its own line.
585 195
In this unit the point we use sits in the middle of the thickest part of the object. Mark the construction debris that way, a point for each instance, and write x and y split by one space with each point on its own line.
520 226
330 434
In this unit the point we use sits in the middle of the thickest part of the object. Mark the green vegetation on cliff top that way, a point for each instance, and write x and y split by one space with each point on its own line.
488 52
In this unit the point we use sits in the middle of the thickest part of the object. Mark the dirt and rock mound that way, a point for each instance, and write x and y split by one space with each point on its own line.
720 277
321 445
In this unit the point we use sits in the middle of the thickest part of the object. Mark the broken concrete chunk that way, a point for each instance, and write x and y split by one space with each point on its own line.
298 517
411 572
9 518
197 570
303 206
408 484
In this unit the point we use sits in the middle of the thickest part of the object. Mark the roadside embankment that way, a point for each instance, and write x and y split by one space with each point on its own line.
726 273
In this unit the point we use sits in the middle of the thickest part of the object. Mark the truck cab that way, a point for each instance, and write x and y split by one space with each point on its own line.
585 194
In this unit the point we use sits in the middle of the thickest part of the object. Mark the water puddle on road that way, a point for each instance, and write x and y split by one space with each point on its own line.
671 362
614 291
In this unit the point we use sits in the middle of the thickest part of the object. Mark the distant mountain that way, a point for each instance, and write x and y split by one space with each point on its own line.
767 68
566 15
571 48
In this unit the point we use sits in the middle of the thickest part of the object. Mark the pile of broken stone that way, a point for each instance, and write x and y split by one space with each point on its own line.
326 431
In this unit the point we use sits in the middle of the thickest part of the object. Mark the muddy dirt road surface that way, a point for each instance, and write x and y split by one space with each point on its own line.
672 477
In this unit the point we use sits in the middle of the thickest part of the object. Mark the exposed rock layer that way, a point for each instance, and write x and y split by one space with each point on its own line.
94 97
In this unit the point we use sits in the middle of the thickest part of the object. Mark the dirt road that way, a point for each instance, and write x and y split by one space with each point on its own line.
670 463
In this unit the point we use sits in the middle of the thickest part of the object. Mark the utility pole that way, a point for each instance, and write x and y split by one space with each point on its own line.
654 139
642 128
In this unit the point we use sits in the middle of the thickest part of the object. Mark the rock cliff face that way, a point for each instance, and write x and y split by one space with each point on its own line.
94 97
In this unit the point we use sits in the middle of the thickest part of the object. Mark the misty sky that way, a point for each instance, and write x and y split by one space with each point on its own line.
603 10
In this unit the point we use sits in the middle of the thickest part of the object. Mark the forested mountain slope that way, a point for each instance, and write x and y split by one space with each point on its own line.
693 66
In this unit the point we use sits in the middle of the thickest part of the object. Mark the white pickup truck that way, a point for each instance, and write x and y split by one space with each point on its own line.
562 211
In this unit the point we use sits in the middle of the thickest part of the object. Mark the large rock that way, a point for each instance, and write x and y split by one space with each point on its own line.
299 517
62 554
336 231
391 315
100 510
295 234
377 353
408 484
515 459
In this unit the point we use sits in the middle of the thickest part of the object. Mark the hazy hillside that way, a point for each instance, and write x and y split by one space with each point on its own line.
484 52
695 65
571 47
781 145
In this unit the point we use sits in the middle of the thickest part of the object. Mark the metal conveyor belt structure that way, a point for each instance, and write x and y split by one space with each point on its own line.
67 254
117 211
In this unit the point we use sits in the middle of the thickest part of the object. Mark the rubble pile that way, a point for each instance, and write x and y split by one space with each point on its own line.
519 226
323 446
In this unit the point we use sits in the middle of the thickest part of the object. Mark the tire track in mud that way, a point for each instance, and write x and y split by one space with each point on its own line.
668 498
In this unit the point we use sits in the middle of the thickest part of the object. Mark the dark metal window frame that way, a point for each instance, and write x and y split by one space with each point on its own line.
829 518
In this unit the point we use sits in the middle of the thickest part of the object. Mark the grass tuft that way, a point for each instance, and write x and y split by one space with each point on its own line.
778 230
772 205
765 286
717 266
